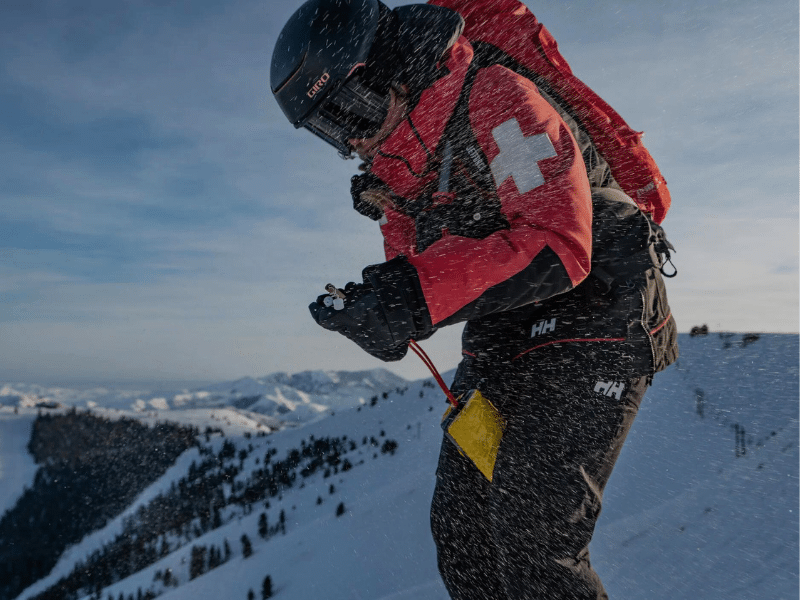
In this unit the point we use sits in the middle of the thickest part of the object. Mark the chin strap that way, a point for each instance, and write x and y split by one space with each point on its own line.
429 363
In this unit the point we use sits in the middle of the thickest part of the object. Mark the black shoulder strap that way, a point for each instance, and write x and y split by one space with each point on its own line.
459 141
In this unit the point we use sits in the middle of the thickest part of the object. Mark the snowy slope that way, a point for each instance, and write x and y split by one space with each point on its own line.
681 508
703 503
378 491
17 468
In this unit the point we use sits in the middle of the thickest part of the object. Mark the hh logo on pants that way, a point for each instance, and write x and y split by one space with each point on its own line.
543 327
610 388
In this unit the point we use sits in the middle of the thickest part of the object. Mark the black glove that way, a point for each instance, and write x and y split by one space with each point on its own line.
382 314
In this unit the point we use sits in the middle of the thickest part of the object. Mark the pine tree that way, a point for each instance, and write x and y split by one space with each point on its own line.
251 595
197 562
266 588
214 558
340 509
164 547
247 547
263 529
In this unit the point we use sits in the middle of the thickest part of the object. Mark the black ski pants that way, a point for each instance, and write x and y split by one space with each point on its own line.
526 534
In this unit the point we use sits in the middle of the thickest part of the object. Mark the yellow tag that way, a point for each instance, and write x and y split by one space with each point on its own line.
476 429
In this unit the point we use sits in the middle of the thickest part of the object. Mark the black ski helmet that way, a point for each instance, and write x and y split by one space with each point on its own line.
335 60
325 45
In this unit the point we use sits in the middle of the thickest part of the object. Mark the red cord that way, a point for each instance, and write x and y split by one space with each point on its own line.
429 363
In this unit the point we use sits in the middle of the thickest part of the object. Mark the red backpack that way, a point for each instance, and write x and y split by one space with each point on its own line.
517 40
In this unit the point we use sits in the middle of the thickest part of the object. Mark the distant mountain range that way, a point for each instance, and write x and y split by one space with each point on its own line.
297 398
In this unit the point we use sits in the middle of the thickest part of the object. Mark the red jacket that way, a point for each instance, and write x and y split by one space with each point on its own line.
538 171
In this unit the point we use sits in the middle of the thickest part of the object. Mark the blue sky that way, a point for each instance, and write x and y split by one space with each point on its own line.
160 220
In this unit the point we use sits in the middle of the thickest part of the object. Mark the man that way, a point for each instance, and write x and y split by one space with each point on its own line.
496 210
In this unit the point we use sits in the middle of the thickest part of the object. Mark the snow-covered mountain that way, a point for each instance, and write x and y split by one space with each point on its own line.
703 503
297 398
300 397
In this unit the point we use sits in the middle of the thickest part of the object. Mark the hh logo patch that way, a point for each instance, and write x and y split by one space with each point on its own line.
610 388
543 327
519 156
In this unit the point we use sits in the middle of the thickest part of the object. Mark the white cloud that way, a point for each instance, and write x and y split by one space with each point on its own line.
737 271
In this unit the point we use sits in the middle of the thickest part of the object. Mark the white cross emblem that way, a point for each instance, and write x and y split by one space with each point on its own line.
519 156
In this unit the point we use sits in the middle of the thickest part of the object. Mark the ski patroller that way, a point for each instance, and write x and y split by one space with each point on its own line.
502 257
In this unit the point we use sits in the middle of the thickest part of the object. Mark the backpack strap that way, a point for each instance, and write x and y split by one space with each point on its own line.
460 142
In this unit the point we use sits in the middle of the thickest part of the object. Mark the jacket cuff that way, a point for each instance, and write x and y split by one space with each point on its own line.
397 287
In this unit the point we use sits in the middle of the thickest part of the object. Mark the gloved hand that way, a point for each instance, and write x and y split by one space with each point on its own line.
361 320
382 314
